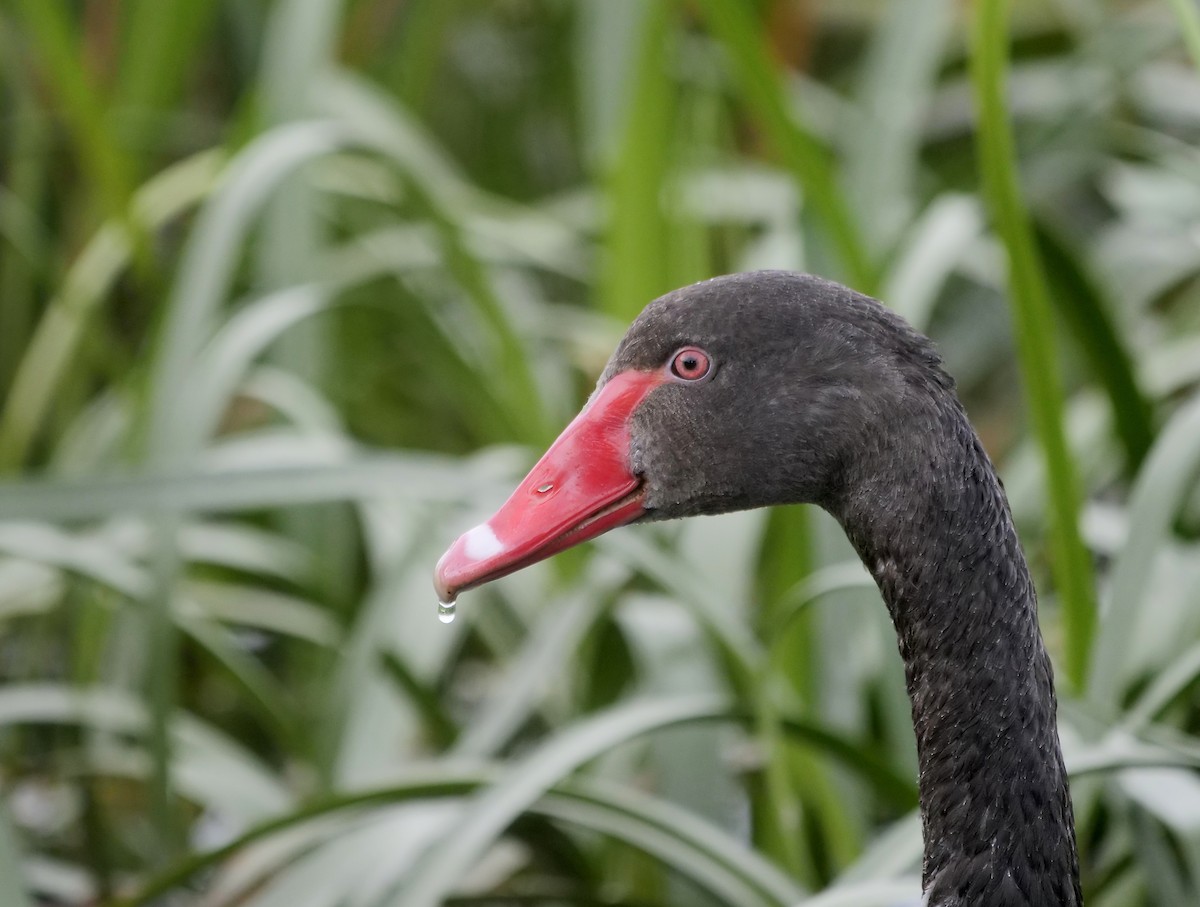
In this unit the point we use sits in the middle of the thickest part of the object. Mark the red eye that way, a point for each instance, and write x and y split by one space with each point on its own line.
690 364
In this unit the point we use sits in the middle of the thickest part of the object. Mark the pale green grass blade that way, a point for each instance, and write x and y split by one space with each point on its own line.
1172 797
222 366
1032 314
740 651
896 852
245 549
204 277
345 476
884 146
81 554
869 894
347 869
824 581
489 814
1078 296
606 35
28 589
12 877
298 48
933 247
630 815
681 839
669 657
363 723
211 766
439 728
1167 686
298 43
891 784
296 401
1171 469
209 262
1118 752
546 654
172 423
1156 856
263 609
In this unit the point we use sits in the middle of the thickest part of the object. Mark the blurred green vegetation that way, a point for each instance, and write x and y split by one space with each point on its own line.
291 292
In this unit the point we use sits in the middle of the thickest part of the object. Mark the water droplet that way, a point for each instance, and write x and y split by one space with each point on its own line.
542 489
446 611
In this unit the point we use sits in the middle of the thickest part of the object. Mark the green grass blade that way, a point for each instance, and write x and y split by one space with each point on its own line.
636 262
161 43
803 153
262 691
785 557
777 804
1078 297
1032 314
442 196
55 43
439 726
216 770
1189 24
1117 755
412 69
27 177
891 785
57 338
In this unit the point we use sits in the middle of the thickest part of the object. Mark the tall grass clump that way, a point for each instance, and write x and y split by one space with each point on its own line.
292 293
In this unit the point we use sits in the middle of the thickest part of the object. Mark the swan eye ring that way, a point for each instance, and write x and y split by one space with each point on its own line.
690 364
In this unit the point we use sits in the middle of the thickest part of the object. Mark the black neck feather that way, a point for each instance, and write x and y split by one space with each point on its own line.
930 520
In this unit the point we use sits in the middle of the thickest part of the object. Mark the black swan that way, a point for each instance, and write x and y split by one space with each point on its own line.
774 388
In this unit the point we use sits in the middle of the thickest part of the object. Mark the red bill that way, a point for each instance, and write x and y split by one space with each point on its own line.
583 486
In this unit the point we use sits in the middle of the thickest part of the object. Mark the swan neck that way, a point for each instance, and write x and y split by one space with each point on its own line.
930 520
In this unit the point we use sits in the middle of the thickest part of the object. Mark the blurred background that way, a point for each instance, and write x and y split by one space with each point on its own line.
292 292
